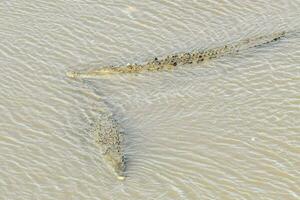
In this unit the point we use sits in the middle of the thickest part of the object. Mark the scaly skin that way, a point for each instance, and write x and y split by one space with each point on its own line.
109 137
171 61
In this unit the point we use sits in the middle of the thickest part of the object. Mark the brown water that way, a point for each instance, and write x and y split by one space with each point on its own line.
226 129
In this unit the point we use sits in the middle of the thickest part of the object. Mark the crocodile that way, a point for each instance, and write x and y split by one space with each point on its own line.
109 137
178 59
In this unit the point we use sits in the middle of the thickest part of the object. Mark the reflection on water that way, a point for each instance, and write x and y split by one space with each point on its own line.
225 129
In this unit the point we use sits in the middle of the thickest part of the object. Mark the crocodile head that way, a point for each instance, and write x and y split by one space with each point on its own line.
72 74
116 160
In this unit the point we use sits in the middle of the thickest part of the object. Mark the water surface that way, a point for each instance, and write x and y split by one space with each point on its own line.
225 129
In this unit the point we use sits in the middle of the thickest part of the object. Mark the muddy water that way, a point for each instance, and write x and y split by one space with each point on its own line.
226 129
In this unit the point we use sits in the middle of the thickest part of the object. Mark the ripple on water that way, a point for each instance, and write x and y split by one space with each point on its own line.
225 130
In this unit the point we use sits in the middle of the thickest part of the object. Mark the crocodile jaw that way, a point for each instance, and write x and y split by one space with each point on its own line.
116 161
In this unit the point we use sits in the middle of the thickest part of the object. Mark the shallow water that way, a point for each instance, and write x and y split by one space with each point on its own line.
226 129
